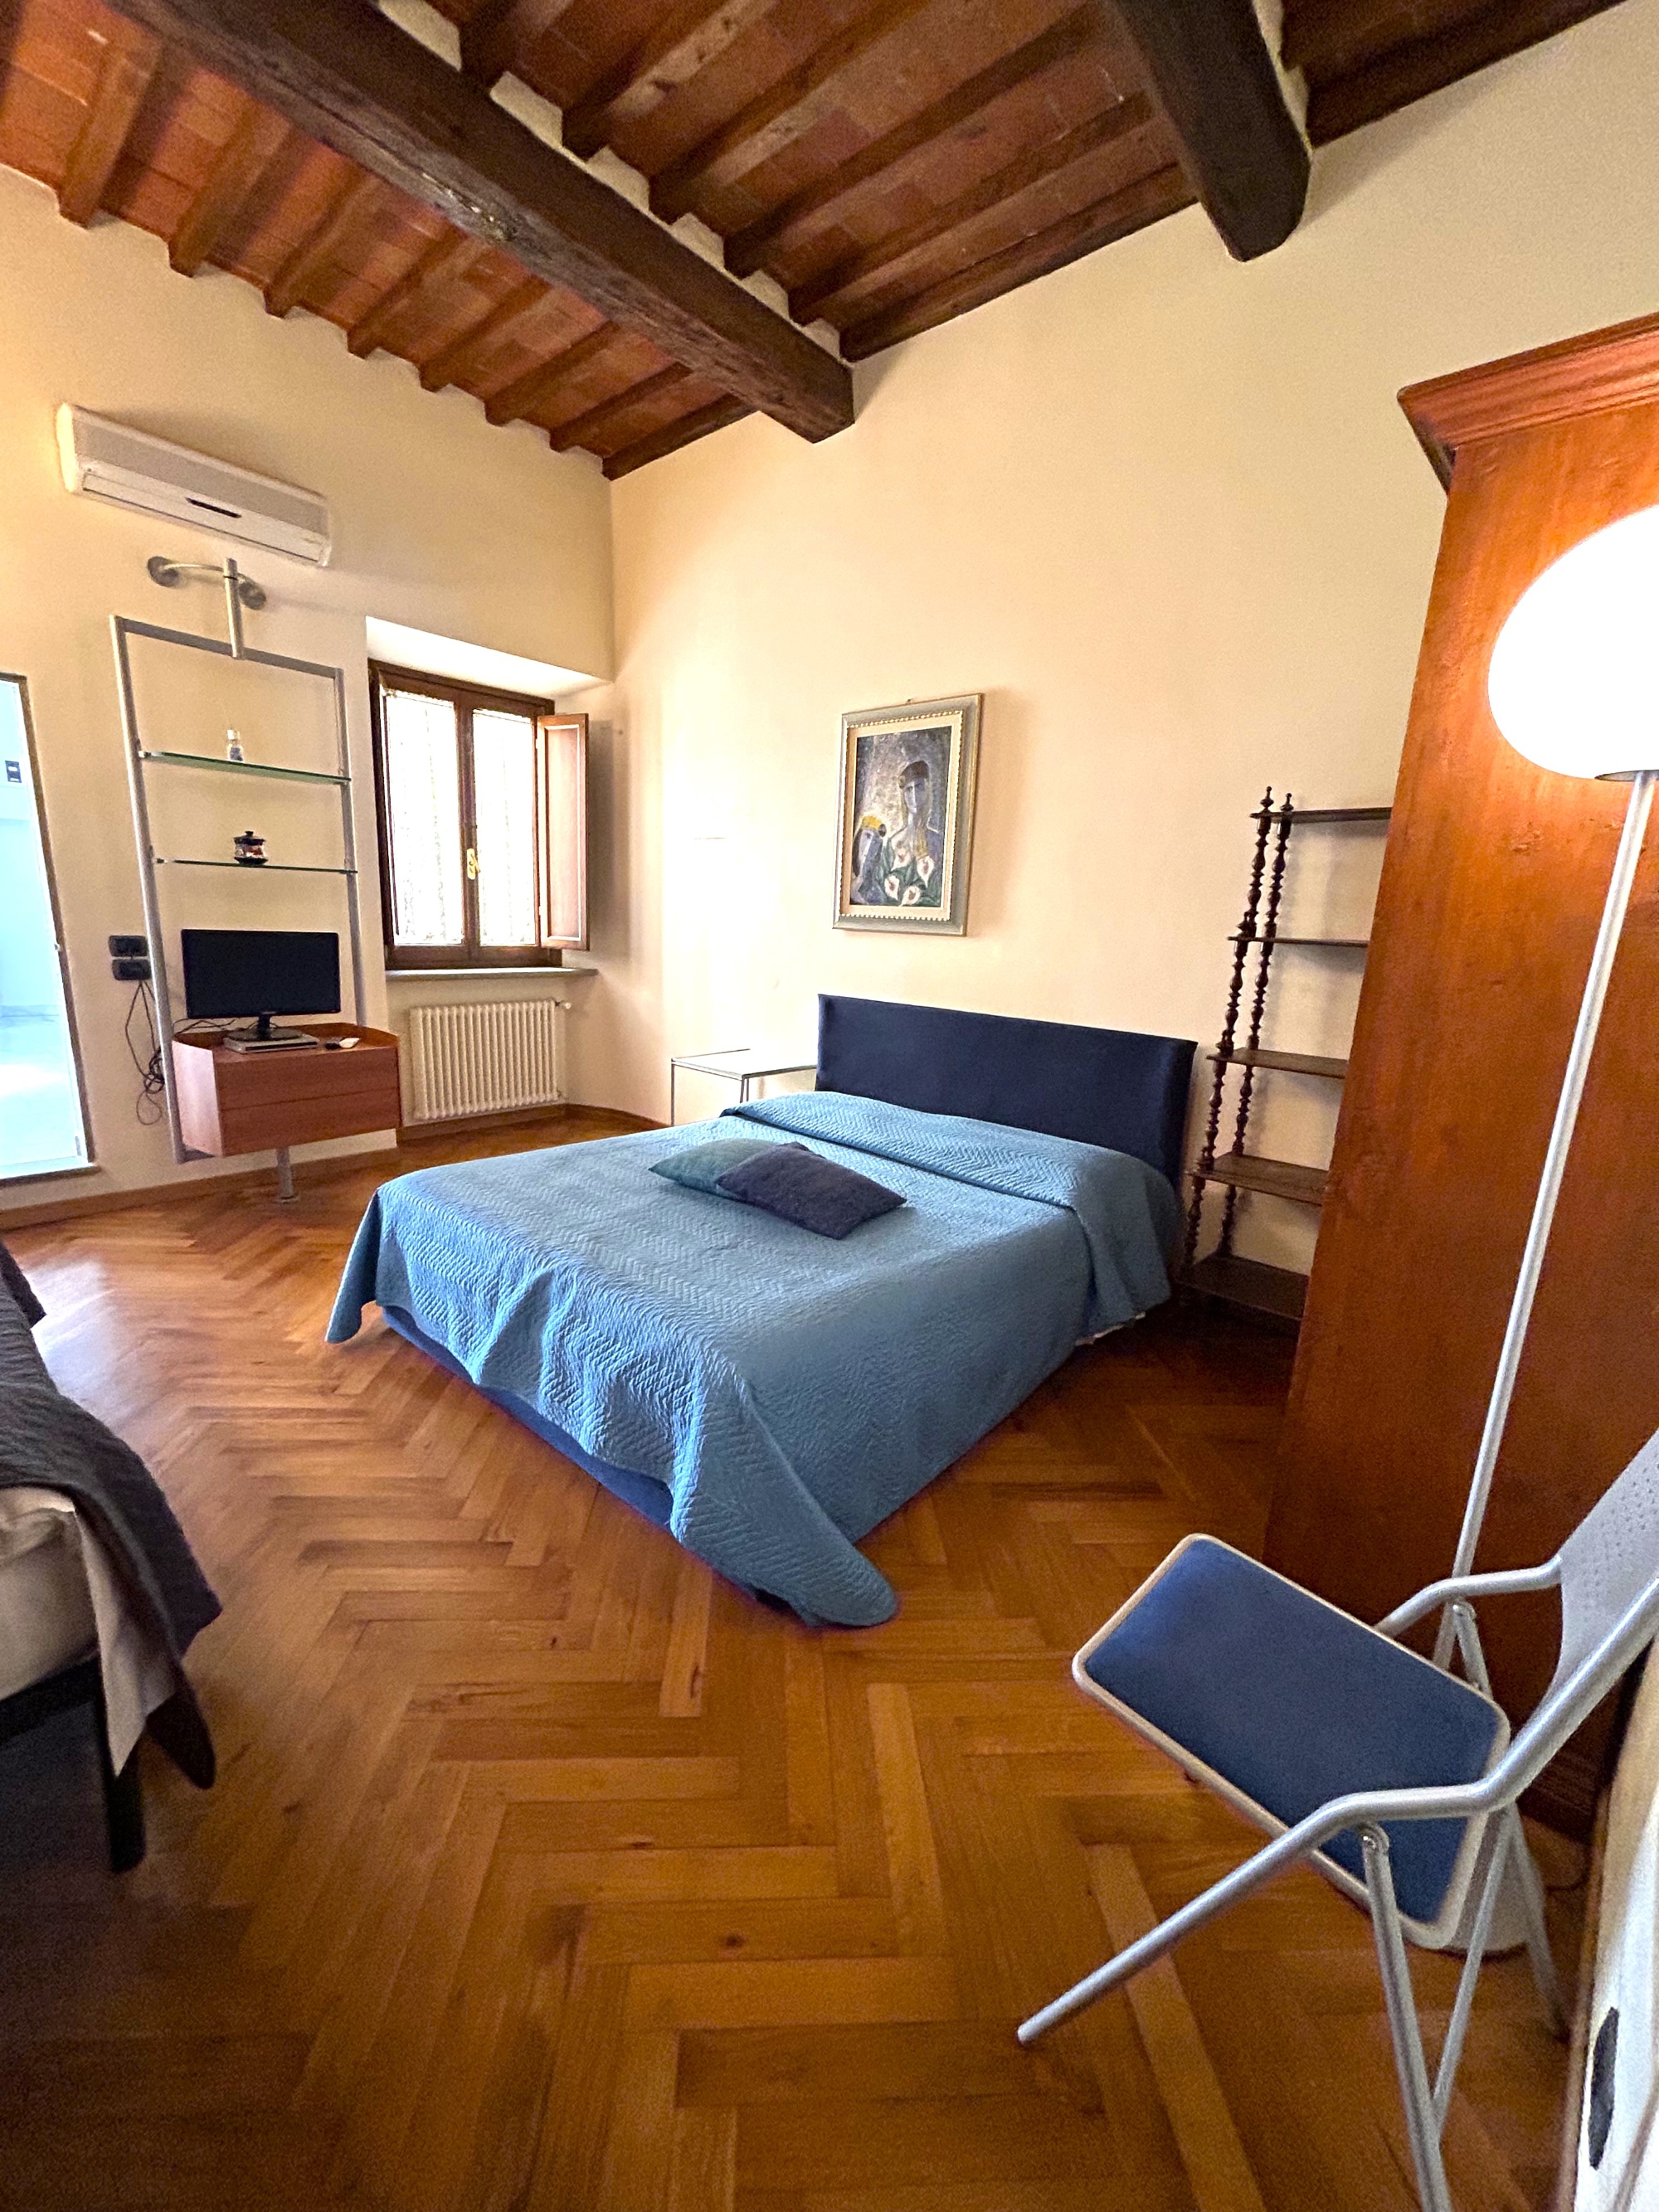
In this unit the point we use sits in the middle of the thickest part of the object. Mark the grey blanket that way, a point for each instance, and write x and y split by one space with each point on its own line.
48 1442
13 1278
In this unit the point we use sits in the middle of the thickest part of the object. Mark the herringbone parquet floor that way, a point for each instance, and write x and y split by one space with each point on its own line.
545 1873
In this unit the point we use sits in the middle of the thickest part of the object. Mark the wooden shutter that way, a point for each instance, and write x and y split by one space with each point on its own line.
561 767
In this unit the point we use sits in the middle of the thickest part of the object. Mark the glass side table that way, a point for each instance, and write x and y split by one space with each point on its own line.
741 1064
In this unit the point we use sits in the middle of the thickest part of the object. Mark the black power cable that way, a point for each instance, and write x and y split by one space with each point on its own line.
152 1083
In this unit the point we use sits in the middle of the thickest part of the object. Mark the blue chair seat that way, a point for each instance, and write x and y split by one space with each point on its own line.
1288 1703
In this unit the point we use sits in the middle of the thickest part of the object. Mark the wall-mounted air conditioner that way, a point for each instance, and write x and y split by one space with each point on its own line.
131 469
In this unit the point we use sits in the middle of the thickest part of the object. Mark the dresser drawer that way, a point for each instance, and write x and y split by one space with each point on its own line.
263 1124
268 1077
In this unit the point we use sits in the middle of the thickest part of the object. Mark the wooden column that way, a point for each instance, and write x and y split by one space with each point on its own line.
1491 891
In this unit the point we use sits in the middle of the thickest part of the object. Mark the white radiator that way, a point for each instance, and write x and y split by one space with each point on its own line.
486 1056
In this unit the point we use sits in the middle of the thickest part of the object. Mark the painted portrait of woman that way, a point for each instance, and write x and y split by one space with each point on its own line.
907 807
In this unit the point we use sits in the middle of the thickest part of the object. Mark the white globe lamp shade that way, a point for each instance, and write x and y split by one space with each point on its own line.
1574 681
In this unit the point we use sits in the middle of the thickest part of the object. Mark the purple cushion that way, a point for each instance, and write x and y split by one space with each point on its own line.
801 1186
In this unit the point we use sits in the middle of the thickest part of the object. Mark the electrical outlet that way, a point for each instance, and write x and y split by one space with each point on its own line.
129 970
129 948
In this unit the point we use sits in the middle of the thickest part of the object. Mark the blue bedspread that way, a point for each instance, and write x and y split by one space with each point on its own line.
789 1391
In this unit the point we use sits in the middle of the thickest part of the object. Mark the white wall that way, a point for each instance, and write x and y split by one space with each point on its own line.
441 523
1164 512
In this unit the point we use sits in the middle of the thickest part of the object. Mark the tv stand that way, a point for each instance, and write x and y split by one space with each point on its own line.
232 1100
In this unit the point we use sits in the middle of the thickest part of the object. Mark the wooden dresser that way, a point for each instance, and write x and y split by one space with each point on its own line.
258 1101
1492 890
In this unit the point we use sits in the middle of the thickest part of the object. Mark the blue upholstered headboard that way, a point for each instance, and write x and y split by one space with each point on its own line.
1111 1087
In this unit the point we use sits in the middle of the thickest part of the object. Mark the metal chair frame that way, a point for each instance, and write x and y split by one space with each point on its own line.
1581 1683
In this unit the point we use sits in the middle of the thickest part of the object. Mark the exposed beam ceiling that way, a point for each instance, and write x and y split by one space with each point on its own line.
841 285
511 313
355 195
447 257
694 34
235 178
887 164
600 421
131 60
1376 74
1240 144
1147 200
527 392
784 112
499 31
818 203
719 415
356 81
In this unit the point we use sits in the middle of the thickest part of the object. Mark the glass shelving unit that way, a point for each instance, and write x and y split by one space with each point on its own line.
144 758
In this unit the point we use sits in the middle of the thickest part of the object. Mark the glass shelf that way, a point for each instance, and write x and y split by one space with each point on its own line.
241 768
249 867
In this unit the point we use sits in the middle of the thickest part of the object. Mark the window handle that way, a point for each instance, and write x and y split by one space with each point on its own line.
471 865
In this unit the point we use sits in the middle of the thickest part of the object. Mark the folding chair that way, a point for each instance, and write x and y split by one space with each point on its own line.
1397 1780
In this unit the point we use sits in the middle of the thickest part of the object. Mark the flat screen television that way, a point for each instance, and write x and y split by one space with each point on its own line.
233 975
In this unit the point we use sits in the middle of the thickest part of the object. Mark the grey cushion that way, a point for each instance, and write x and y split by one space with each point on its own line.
800 1185
700 1167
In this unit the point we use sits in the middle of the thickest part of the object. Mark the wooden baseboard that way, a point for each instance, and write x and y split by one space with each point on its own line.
461 1125
184 1192
467 1125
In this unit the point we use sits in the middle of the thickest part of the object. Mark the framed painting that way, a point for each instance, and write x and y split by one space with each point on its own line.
907 816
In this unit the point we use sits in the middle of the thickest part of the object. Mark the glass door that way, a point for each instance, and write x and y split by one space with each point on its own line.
43 1126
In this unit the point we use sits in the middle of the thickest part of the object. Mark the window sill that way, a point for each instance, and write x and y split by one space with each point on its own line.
485 975
11 1177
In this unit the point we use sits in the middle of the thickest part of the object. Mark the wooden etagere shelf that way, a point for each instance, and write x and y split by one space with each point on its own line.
1278 1292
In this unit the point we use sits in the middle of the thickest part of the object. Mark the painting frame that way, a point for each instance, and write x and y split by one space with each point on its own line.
909 776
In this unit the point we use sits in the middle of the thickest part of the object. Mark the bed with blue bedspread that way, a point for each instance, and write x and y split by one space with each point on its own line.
767 1395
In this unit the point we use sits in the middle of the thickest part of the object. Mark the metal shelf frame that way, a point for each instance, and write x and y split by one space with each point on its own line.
141 757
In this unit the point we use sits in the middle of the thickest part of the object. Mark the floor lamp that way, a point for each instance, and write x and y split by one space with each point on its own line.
1574 686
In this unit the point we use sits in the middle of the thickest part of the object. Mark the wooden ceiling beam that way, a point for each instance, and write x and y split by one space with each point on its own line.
502 35
684 430
748 250
685 41
525 393
510 313
1147 200
598 421
784 112
447 257
310 257
1240 145
344 73
830 288
231 183
131 56
1328 38
1410 72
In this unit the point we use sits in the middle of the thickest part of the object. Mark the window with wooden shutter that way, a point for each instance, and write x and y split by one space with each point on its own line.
482 799
561 818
